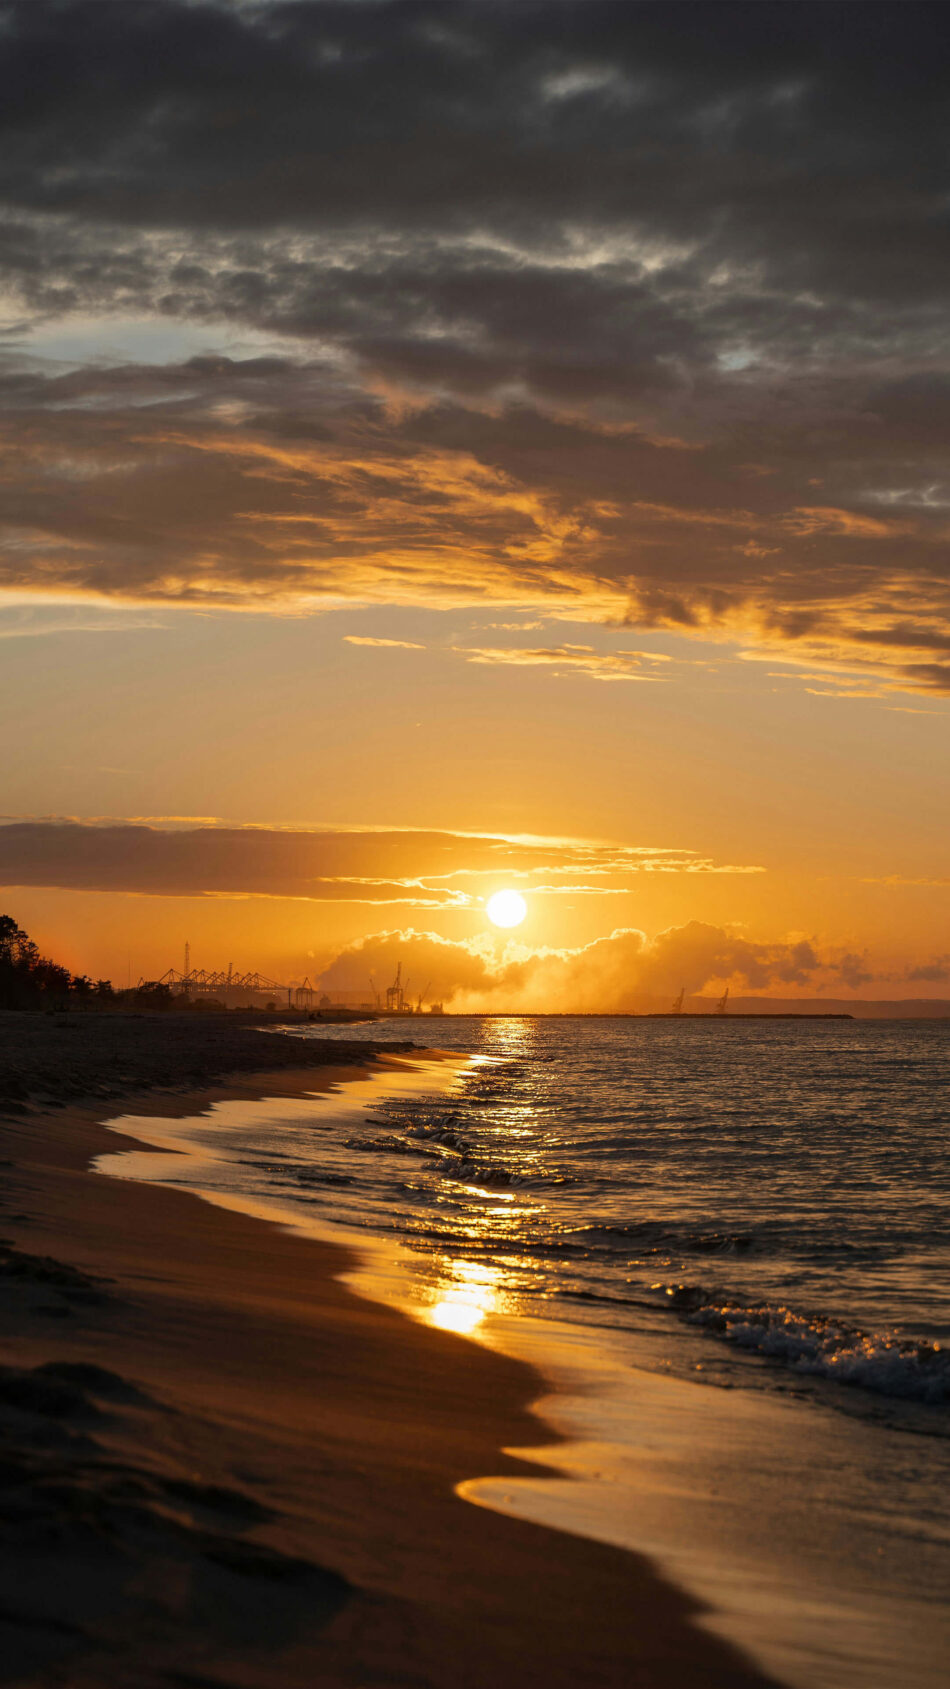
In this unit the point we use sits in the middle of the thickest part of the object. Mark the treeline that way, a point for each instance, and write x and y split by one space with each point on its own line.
31 981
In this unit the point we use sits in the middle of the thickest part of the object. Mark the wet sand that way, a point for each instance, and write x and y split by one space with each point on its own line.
220 1467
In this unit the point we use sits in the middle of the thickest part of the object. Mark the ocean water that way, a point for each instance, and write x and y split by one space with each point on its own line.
783 1188
727 1243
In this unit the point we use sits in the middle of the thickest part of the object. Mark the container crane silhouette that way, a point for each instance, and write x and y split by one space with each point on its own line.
395 994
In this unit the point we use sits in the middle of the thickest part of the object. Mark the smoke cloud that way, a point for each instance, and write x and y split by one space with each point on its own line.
622 971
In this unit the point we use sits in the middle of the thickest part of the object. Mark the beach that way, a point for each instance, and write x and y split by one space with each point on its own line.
222 1467
475 932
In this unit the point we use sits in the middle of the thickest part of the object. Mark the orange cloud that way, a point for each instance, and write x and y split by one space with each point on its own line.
389 644
623 971
825 519
278 491
565 659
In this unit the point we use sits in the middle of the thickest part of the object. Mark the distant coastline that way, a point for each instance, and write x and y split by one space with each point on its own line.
641 1014
935 1008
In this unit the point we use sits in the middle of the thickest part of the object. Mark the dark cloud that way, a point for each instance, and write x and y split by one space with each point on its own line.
367 865
618 308
799 146
239 118
935 972
853 970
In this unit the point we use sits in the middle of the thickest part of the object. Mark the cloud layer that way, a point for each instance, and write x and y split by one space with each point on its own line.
620 972
366 865
621 311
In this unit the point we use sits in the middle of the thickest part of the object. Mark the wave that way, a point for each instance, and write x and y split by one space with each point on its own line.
818 1346
387 1145
449 1152
459 1163
653 1237
475 1173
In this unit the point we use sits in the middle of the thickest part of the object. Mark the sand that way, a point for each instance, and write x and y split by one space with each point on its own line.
220 1467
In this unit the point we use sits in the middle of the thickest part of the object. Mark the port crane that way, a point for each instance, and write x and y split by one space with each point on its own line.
245 990
395 994
204 982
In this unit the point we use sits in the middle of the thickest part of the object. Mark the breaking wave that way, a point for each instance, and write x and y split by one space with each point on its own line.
586 1166
817 1346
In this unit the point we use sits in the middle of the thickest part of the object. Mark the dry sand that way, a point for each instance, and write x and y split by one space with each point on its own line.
219 1467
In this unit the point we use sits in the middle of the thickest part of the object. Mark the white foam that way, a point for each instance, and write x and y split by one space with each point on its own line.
887 1364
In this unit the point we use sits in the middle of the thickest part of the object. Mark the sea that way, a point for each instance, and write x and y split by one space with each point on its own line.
724 1243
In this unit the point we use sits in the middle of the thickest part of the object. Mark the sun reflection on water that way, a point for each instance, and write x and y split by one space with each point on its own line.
465 1293
511 1036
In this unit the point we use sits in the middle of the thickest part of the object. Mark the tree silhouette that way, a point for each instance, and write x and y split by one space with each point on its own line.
27 979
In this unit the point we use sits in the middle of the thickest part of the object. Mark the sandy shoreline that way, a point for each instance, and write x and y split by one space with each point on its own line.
256 1486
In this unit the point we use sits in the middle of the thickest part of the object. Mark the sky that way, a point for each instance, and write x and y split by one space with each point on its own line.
456 447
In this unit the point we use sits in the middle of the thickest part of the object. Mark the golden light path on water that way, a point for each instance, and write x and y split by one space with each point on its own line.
472 1291
464 1293
655 1459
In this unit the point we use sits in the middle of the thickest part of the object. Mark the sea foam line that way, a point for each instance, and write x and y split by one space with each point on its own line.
819 1347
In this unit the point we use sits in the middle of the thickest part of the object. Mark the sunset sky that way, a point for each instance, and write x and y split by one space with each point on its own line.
450 447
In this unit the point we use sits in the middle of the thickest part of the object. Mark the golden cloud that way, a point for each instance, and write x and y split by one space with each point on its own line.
565 659
387 644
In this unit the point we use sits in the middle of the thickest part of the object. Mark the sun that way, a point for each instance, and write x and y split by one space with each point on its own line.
507 909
